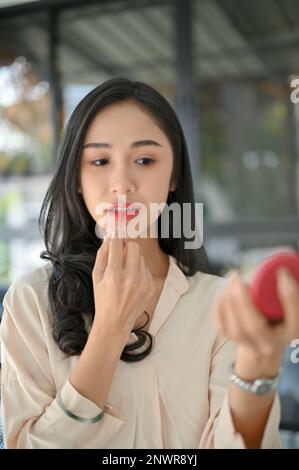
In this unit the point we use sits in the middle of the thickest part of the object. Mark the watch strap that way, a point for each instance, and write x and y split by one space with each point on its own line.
259 386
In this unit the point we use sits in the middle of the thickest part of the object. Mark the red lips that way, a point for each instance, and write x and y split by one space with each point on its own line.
124 206
123 213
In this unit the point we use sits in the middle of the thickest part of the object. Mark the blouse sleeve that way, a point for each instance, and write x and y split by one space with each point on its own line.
32 418
219 431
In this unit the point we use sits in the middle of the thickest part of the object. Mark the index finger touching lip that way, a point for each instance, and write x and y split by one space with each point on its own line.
115 257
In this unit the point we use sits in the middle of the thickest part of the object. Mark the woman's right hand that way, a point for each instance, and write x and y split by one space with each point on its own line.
122 284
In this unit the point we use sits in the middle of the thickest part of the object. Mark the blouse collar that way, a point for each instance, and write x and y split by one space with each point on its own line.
175 285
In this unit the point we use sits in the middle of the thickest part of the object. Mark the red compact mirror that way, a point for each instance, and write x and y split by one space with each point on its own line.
263 287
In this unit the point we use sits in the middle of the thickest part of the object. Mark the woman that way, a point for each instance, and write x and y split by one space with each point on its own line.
80 369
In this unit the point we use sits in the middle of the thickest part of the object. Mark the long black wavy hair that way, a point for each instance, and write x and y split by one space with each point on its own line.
68 230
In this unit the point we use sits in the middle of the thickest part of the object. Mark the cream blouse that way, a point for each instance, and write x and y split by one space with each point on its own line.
174 398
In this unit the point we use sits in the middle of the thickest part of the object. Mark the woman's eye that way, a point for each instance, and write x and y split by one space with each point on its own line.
149 161
102 161
95 162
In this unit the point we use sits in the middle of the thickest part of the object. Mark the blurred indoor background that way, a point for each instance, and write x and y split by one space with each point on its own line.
227 67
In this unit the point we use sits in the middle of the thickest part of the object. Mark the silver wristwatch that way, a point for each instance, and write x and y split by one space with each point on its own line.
259 386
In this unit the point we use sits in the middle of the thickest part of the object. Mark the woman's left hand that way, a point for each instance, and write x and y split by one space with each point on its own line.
260 345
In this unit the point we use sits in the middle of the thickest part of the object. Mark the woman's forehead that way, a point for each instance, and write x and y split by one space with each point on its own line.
125 119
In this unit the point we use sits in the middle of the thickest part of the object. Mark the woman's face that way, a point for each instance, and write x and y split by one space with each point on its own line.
125 154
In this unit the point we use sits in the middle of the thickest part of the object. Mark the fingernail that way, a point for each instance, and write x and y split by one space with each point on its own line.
286 279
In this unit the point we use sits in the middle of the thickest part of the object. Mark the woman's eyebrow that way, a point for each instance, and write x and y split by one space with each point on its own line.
138 143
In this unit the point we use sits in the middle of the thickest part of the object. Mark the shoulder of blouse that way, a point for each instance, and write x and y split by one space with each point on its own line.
33 282
204 289
209 283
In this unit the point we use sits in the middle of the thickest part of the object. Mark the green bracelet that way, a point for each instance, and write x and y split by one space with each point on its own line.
75 417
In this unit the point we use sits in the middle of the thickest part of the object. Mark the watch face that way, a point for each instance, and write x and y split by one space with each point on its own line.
263 388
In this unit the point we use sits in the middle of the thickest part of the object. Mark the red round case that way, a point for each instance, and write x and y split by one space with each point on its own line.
263 287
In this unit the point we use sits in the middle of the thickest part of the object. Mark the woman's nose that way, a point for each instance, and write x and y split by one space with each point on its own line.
122 183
